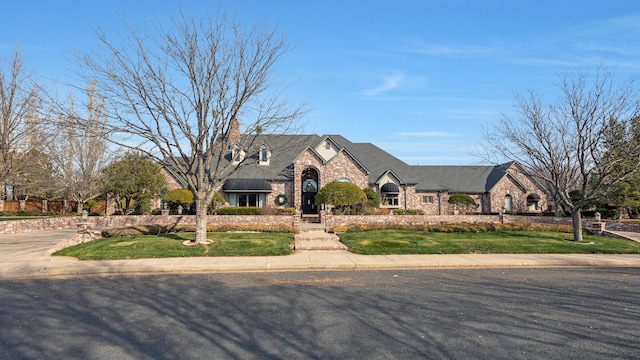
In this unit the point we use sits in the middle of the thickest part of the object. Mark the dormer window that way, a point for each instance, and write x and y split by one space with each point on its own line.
237 155
265 155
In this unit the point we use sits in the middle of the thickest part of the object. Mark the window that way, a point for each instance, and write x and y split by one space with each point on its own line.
309 185
390 199
265 156
238 155
427 199
390 194
508 203
344 179
247 199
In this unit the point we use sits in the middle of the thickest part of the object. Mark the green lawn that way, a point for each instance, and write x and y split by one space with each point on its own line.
170 245
9 218
508 242
367 243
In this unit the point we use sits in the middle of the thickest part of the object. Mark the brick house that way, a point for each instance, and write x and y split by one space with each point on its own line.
297 166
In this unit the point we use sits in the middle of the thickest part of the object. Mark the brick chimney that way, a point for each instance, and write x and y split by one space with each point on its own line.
234 131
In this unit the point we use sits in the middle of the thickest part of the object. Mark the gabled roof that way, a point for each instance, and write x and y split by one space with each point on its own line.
464 179
377 162
374 159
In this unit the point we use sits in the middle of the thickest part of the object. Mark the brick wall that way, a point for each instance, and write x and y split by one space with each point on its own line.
97 222
9 227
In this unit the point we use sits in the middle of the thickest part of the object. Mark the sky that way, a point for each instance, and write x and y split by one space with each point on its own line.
421 79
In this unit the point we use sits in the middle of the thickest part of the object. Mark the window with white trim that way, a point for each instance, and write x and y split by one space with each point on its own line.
247 199
264 156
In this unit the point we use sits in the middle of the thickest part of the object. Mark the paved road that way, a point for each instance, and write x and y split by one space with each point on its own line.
560 313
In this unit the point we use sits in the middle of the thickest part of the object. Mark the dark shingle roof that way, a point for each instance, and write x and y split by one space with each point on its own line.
467 179
286 148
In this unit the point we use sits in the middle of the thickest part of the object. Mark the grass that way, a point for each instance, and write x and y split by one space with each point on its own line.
170 245
9 218
381 242
376 242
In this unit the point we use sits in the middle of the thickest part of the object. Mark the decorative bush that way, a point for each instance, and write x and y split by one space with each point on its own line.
239 211
27 213
171 229
179 197
462 227
142 206
408 212
342 195
218 200
462 202
372 197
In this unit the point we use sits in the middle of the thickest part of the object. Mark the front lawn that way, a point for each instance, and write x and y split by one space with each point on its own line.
170 245
379 242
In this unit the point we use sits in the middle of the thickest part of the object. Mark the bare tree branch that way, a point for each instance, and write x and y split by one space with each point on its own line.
568 144
175 93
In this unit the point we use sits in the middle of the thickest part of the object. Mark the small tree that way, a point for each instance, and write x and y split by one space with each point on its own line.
462 202
372 198
342 195
133 179
179 197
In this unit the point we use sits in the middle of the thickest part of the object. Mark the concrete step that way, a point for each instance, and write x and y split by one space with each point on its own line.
318 241
306 227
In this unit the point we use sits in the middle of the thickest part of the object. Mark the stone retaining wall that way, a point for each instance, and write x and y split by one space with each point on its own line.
97 222
9 227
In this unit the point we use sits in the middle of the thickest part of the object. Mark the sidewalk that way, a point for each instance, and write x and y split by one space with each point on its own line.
26 255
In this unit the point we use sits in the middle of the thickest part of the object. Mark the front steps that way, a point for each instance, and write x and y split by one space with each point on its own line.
313 237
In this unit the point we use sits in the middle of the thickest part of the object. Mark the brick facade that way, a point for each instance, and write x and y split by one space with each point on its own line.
341 166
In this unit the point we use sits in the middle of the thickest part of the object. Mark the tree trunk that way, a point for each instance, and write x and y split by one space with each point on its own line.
576 219
201 218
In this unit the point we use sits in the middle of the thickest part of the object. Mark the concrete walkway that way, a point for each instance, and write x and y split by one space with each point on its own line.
28 255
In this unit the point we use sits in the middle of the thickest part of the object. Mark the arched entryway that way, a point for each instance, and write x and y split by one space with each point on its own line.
309 191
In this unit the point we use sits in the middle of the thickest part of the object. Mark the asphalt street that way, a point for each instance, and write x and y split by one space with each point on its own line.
525 313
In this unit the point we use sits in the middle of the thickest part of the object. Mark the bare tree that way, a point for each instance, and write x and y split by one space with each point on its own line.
175 94
580 142
19 104
81 152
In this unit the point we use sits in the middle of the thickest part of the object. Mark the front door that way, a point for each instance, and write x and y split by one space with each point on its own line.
309 191
309 203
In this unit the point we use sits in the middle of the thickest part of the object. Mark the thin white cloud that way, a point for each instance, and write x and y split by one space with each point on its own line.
389 83
426 134
420 47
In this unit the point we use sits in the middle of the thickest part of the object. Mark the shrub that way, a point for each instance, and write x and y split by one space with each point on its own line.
218 200
170 229
342 195
239 211
460 227
462 202
142 206
29 213
179 197
372 197
407 212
